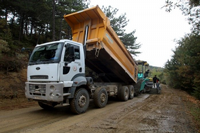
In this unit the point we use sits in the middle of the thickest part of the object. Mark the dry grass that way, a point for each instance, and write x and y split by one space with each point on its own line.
12 84
193 106
12 91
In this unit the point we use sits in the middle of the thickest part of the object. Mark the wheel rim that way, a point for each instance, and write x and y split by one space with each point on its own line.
82 101
126 93
103 97
132 92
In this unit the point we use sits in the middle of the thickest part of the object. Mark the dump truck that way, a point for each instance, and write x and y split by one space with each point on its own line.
56 70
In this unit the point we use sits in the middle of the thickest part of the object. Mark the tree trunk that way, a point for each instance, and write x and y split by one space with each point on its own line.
13 18
6 15
60 29
26 28
38 40
53 25
31 30
21 26
46 32
69 32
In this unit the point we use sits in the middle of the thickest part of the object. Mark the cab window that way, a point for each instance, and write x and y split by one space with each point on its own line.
69 56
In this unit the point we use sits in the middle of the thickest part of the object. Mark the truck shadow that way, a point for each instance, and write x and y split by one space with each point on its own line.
65 110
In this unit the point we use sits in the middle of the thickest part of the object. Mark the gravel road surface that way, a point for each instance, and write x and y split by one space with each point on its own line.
146 113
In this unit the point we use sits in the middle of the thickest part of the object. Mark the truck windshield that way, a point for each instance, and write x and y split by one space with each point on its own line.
46 54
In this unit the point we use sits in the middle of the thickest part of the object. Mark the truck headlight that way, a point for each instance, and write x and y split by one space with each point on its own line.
52 88
31 88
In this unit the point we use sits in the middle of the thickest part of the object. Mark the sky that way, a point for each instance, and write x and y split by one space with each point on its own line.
155 28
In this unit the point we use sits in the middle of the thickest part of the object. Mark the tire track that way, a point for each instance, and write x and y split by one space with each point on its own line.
147 113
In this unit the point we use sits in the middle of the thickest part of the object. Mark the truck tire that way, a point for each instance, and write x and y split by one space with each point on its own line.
79 104
45 106
158 90
124 93
131 91
100 97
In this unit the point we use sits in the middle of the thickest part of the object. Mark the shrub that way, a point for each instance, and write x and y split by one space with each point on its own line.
3 47
9 62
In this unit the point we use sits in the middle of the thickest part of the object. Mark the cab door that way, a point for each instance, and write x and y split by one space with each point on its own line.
72 64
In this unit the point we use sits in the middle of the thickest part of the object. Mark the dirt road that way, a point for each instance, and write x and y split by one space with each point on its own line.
147 113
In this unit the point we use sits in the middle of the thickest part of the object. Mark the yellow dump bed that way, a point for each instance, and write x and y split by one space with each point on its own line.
106 54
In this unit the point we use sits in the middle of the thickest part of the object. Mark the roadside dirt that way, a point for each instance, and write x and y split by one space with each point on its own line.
12 91
148 113
12 84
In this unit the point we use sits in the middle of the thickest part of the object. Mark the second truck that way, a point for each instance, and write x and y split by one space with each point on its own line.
56 70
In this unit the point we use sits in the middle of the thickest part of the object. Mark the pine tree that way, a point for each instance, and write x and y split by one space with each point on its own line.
119 24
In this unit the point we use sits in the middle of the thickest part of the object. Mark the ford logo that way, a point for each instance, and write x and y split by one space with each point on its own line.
37 68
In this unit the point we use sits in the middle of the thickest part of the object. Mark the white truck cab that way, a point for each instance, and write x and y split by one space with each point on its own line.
53 68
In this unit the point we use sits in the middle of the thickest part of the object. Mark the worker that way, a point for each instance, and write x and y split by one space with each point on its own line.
155 82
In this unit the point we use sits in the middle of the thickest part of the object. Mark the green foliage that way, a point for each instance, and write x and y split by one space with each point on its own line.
3 47
117 23
5 32
7 62
162 77
158 71
196 81
189 8
129 41
37 20
183 69
194 109
27 23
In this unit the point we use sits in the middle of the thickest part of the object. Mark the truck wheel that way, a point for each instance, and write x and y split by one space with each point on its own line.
144 91
79 104
45 106
158 90
131 91
100 97
124 93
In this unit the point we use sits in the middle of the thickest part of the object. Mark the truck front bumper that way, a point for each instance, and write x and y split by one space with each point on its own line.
52 92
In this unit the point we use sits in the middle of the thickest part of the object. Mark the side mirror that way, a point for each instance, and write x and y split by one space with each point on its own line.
71 54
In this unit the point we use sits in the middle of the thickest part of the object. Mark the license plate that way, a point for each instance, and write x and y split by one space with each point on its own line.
35 97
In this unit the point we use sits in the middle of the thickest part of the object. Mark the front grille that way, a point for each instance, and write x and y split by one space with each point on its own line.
37 89
39 77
